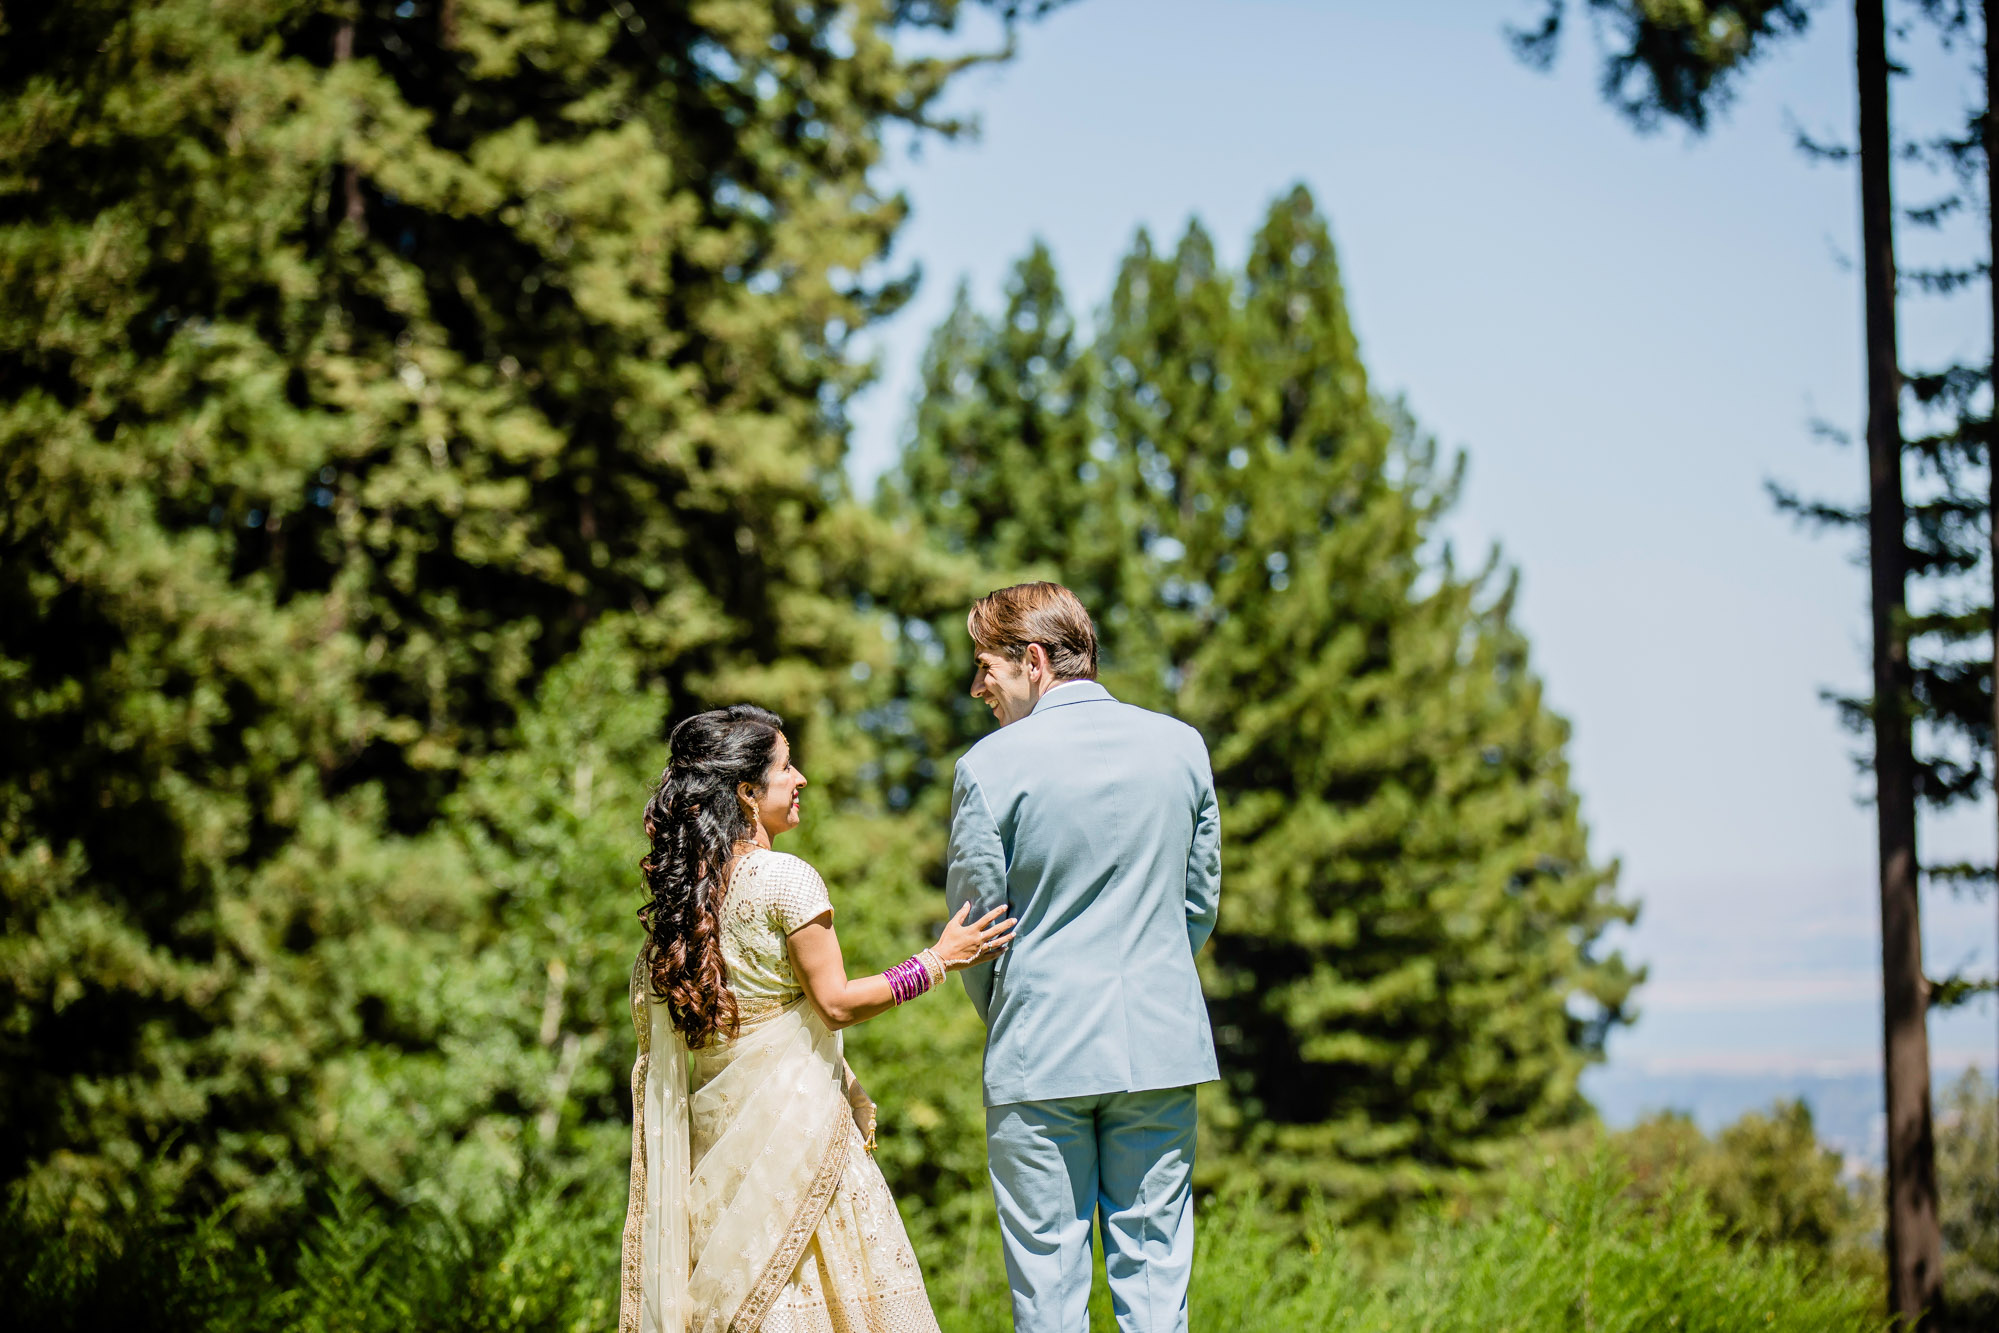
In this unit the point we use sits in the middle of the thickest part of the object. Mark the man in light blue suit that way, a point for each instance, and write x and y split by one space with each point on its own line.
1096 822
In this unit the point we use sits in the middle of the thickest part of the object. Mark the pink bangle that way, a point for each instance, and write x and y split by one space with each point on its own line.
908 979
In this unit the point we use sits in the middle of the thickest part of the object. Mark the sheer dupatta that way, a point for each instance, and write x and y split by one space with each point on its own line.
653 1289
733 1163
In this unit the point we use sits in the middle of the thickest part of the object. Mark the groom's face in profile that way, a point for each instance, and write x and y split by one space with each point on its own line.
1008 687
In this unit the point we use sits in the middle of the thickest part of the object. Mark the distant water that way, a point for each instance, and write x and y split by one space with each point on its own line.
1846 1107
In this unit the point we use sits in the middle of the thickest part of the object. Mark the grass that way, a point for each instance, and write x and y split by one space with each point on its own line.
1573 1249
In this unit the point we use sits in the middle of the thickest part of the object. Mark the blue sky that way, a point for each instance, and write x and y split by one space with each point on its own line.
1628 335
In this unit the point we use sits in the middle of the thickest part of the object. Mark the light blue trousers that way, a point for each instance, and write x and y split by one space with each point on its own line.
1124 1158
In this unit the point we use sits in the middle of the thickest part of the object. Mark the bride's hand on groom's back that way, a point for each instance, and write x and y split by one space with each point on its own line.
966 942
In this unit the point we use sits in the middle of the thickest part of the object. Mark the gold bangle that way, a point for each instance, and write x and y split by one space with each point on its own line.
933 965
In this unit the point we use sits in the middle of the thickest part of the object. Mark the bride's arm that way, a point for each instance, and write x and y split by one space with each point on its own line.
844 1001
822 972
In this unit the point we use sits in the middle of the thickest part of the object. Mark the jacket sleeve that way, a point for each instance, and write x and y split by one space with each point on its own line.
975 871
1204 863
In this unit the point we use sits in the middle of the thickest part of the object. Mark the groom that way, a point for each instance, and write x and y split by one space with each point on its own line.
1096 821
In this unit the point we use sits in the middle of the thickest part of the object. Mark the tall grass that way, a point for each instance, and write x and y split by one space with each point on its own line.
1573 1249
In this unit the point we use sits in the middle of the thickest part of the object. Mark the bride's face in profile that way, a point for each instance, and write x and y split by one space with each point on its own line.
778 804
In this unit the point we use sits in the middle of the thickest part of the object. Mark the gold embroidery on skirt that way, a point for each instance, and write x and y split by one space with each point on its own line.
784 1260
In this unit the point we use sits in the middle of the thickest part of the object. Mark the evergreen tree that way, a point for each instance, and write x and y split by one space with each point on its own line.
524 1055
1174 406
1003 473
1407 970
1681 62
1000 438
355 358
1406 978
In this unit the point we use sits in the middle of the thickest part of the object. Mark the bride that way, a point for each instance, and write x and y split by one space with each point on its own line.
755 1201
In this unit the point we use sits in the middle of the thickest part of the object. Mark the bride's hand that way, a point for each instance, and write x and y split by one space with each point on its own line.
863 1107
962 945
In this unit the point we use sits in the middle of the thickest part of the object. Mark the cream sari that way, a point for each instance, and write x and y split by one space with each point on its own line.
754 1203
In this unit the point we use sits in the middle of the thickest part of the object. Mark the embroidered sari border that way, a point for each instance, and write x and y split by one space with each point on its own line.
784 1259
631 1289
631 1292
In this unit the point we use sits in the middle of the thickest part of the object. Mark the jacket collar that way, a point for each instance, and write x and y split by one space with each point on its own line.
1076 692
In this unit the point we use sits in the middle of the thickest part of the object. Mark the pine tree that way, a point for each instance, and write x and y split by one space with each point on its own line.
1405 978
1407 974
1174 405
1004 475
1682 62
522 1058
355 359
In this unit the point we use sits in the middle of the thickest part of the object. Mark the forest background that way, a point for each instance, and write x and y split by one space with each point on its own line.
409 409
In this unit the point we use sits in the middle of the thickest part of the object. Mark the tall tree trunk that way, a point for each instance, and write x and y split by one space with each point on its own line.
1992 374
355 208
1915 1243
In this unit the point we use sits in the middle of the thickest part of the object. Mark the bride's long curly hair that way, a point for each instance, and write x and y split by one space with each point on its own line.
695 820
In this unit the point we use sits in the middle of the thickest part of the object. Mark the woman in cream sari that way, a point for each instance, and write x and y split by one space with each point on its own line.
755 1201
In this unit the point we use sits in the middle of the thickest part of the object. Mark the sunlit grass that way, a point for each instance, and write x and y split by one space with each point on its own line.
1572 1248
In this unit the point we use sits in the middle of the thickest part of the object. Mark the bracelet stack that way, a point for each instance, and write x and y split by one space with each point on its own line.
912 977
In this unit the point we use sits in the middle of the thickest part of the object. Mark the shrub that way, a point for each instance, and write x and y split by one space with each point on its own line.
1968 1177
543 1262
1767 1178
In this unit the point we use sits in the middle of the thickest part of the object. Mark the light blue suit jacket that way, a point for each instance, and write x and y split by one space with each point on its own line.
1096 822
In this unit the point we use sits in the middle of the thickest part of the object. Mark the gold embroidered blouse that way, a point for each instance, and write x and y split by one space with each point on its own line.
770 895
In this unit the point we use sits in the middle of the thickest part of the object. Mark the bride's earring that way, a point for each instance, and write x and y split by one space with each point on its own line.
756 816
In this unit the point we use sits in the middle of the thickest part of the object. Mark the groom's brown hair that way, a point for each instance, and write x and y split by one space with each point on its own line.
1049 614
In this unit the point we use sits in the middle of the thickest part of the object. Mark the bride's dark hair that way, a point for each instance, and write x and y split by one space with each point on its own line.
695 819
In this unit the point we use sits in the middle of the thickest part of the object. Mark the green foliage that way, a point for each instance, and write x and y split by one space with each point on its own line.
1573 1247
1968 1181
1767 1179
920 1063
1572 1250
139 1270
405 409
543 1262
515 1032
511 1018
354 361
1671 59
535 1042
1405 978
1007 477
